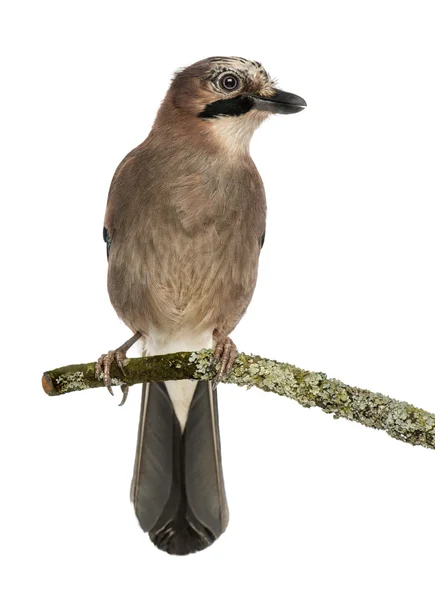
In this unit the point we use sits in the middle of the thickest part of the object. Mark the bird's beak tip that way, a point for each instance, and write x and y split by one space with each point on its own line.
282 103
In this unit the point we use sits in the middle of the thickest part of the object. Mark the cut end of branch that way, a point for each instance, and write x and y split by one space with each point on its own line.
400 420
47 384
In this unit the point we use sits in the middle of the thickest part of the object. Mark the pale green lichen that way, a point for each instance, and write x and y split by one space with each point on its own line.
400 420
71 382
203 360
114 380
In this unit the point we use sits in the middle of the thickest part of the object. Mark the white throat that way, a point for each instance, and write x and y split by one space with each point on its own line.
235 133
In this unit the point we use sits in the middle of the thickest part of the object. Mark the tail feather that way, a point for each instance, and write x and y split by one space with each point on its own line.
178 489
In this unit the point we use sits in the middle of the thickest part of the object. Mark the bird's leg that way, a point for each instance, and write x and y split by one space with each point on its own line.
105 361
226 352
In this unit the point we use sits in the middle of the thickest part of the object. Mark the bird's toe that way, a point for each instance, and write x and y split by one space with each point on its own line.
226 353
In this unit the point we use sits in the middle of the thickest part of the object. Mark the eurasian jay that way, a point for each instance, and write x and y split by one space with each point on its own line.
184 226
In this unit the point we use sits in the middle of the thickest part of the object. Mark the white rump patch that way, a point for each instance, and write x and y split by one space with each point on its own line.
181 391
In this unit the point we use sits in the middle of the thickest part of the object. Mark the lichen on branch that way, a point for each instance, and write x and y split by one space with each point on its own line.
399 419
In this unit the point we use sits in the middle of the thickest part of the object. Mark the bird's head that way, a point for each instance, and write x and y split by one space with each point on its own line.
226 99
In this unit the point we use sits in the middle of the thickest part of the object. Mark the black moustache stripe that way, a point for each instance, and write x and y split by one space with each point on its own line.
233 107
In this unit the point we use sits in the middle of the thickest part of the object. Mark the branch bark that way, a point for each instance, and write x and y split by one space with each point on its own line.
400 420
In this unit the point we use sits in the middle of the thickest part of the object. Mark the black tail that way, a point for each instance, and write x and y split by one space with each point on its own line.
178 488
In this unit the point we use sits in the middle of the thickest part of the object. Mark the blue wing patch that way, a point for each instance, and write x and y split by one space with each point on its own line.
108 241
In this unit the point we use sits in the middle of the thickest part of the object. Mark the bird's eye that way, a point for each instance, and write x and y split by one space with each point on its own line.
229 82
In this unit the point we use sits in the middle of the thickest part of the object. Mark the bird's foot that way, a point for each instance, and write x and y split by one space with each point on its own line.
226 352
105 361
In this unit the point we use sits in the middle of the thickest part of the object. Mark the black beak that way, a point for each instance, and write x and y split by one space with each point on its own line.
281 102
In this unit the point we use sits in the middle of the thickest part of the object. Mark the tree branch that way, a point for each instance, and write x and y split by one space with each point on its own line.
399 419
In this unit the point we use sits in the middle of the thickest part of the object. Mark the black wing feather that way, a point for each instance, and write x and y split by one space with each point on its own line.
262 240
106 238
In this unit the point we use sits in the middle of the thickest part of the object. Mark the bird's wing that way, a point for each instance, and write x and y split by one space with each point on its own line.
261 241
116 197
106 238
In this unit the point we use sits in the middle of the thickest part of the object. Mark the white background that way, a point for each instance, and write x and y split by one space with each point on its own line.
319 508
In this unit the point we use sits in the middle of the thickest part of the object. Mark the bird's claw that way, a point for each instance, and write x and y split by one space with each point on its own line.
124 390
103 368
226 352
120 358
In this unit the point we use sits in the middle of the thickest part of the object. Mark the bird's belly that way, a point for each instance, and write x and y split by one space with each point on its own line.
202 292
199 289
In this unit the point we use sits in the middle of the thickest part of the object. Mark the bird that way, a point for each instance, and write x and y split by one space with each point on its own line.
184 226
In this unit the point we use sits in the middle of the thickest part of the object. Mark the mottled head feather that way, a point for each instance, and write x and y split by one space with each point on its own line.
252 74
197 104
